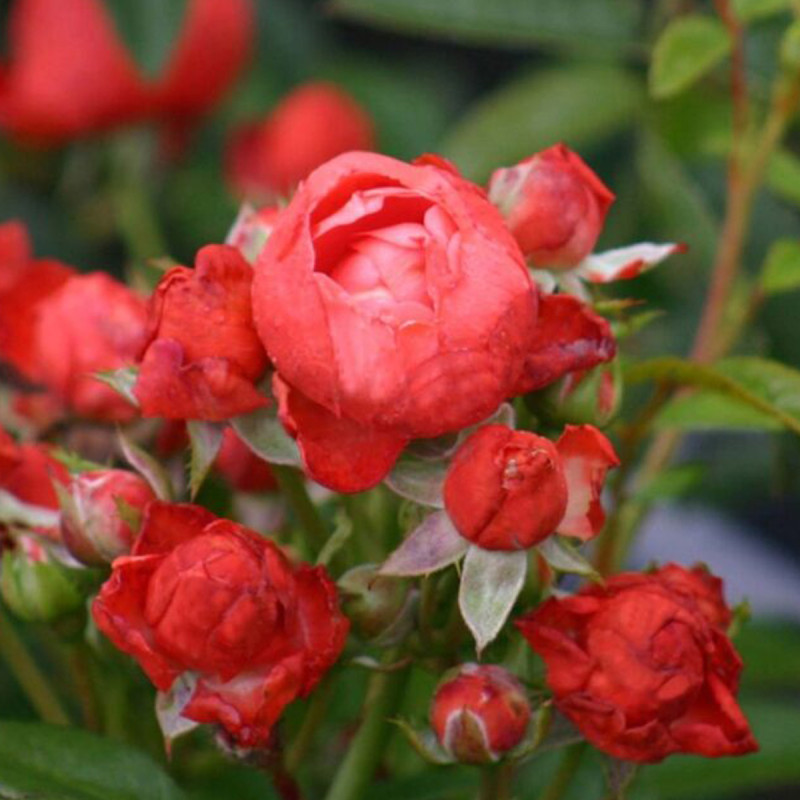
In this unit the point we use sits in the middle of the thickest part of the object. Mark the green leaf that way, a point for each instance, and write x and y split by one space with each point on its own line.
418 479
264 434
564 557
764 386
674 482
42 761
781 271
752 10
580 105
147 467
771 653
687 49
704 411
121 380
432 546
150 30
783 176
490 584
506 23
205 440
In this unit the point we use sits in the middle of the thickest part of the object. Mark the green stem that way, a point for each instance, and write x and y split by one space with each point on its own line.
570 762
28 674
356 771
293 488
80 665
497 782
315 714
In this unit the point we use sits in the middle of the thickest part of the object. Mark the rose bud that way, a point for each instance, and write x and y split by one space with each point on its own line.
480 714
583 397
641 668
207 597
554 205
241 467
91 324
311 125
395 305
36 587
98 509
510 490
202 356
372 602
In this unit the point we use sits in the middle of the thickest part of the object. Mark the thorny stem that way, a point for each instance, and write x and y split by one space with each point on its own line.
28 674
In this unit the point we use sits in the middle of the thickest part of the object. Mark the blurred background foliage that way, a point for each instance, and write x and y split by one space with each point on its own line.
487 83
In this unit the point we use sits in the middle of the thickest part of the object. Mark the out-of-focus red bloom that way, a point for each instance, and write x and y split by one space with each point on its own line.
69 74
91 324
93 524
555 206
202 357
509 490
641 666
24 283
394 305
242 468
310 126
480 713
206 595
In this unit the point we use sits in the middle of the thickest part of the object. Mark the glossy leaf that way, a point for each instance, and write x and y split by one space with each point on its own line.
767 387
689 47
205 440
42 761
264 434
781 271
583 104
491 581
510 23
435 544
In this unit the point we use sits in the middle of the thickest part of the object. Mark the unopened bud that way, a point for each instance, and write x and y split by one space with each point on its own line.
100 512
480 714
372 602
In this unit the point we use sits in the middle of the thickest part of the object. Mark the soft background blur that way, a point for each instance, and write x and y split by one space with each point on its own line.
486 83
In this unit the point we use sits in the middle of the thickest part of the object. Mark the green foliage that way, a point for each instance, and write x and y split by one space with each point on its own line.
781 271
753 10
68 764
688 49
578 104
783 176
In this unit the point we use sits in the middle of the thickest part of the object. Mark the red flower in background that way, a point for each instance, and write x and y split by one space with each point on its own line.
311 125
555 206
69 74
206 595
642 666
241 467
394 304
510 490
91 324
202 356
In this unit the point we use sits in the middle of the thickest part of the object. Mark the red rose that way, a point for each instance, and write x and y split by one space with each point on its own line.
311 125
68 72
206 595
394 305
641 669
242 468
510 490
214 44
91 324
554 204
202 357
480 714
93 524
24 283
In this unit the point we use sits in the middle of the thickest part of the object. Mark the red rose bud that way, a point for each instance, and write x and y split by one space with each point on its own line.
395 305
202 357
98 515
206 595
510 490
505 489
480 714
641 666
35 586
554 205
584 397
91 324
241 467
372 602
310 126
